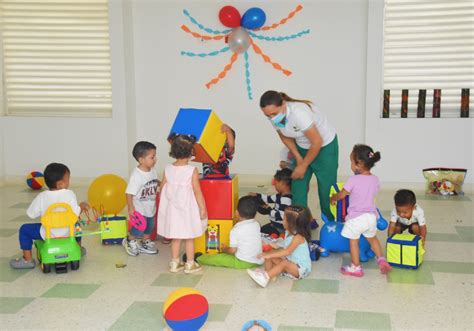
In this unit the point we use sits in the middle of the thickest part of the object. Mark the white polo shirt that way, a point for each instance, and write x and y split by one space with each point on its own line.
300 117
245 236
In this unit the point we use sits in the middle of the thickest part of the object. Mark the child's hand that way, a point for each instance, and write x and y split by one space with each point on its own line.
333 200
84 205
299 171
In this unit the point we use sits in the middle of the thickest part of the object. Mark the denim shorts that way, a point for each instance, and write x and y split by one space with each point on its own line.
150 223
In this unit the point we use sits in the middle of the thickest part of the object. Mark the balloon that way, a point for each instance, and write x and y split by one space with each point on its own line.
253 18
229 16
239 40
107 194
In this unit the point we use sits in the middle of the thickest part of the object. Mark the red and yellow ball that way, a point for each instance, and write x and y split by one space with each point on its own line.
35 180
185 309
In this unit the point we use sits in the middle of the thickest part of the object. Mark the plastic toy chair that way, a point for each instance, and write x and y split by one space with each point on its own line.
58 251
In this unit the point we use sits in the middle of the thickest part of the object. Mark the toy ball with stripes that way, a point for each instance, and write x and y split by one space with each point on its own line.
35 180
185 309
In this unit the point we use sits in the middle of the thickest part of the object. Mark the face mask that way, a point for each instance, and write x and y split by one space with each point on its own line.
279 120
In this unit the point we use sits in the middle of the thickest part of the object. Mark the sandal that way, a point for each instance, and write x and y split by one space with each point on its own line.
21 263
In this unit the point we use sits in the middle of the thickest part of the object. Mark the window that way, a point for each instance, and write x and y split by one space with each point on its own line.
428 45
56 58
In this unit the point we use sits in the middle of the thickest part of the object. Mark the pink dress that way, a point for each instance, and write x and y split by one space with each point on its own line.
178 214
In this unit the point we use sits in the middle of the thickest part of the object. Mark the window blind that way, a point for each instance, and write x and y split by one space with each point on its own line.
56 58
429 44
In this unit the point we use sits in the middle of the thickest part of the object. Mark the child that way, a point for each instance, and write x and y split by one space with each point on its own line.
281 200
362 214
407 215
141 197
56 176
182 214
293 260
245 241
221 167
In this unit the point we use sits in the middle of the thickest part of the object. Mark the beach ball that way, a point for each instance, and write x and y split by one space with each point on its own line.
185 309
35 180
107 194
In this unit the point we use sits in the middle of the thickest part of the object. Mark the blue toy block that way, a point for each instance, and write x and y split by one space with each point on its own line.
191 121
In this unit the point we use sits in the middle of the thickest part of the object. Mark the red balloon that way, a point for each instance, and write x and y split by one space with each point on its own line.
229 16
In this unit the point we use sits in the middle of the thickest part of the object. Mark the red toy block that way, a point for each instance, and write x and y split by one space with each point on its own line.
221 196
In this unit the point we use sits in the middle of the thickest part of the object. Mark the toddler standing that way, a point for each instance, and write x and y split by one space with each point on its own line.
182 215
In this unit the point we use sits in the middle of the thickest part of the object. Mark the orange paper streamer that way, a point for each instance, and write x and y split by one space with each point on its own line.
200 36
224 72
266 58
282 21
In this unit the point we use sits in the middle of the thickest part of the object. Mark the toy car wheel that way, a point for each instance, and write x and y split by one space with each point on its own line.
74 265
46 268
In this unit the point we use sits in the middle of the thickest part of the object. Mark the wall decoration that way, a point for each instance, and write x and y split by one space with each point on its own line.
241 36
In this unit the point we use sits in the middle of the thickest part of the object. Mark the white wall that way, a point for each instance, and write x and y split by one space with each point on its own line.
408 145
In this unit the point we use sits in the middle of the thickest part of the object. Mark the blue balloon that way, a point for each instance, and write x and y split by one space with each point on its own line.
253 18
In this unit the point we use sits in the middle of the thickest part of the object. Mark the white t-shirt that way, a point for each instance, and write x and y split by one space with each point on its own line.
245 236
300 117
143 186
45 199
418 216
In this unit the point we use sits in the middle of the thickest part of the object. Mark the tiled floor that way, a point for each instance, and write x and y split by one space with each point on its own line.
100 296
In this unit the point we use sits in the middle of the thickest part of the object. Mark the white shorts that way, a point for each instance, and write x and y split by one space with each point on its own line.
365 224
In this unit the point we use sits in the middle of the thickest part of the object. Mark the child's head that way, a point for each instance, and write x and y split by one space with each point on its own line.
283 180
145 154
363 157
247 208
182 146
297 220
405 201
56 176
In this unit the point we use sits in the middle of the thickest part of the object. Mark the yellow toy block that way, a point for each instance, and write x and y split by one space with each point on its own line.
216 234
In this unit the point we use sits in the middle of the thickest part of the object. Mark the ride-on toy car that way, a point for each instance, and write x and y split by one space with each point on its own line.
58 251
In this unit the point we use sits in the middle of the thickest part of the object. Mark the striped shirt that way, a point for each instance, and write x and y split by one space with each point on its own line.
276 212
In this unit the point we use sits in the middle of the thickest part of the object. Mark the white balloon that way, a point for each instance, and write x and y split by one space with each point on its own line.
239 40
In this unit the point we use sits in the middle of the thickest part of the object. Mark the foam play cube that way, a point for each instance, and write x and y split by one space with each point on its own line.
405 251
114 229
339 210
216 234
221 196
206 127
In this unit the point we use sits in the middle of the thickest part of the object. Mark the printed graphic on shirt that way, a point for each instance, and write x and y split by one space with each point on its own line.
148 191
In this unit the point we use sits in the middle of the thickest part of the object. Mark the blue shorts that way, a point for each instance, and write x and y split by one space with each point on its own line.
30 232
150 223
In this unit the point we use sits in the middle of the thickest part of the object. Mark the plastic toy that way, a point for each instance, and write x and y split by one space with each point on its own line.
221 196
35 180
58 252
206 127
405 251
114 229
216 234
339 210
137 221
107 194
185 309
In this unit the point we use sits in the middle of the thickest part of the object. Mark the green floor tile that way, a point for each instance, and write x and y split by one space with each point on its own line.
11 305
5 233
450 267
446 237
21 219
71 291
301 328
218 312
22 205
316 286
361 320
420 276
371 264
180 280
433 197
7 273
466 233
141 315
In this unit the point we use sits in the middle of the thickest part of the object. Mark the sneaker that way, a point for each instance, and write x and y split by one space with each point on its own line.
147 247
21 263
131 247
176 266
383 265
259 276
192 267
352 270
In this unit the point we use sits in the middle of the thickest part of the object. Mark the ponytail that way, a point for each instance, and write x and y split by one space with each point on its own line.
274 98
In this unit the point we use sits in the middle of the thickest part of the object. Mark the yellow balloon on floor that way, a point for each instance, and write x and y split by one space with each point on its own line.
107 194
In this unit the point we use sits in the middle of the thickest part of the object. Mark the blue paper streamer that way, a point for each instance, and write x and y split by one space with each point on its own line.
202 27
247 75
213 53
279 38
